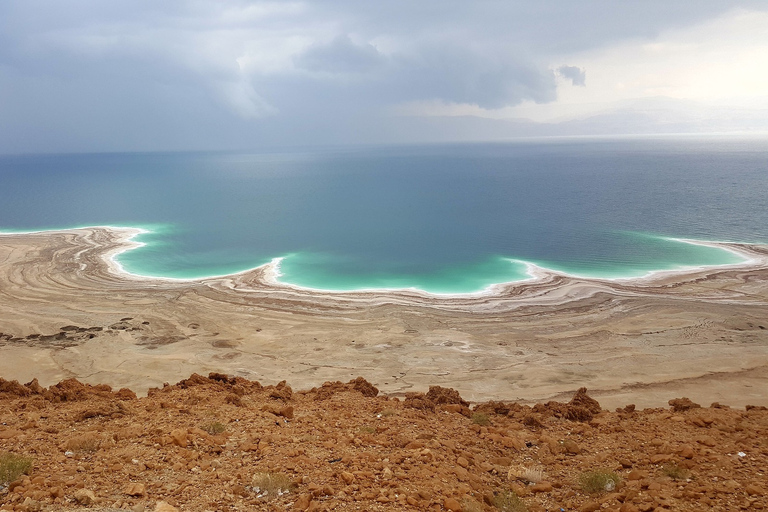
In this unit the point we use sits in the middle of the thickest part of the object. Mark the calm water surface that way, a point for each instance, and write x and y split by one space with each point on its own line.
442 218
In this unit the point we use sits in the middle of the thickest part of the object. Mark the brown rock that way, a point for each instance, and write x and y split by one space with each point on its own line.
706 441
9 433
85 497
286 412
347 477
162 506
302 502
134 489
583 400
440 395
754 490
364 387
683 404
591 506
686 451
452 504
628 507
571 447
179 437
542 487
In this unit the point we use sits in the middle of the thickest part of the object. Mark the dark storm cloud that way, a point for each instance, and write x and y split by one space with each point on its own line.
575 74
140 74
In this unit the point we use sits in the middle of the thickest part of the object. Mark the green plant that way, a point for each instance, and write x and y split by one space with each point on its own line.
271 485
598 481
508 501
12 466
480 418
675 472
213 428
365 429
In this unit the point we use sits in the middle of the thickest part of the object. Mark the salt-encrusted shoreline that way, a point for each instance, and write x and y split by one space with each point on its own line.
67 309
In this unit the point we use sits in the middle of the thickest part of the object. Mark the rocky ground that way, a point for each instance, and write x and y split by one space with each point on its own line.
221 443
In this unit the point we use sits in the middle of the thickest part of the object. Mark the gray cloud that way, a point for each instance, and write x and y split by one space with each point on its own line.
88 75
575 74
340 55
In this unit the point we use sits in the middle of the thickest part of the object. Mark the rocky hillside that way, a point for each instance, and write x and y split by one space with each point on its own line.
220 443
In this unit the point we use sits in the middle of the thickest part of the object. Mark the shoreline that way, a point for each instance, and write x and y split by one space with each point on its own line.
67 309
271 271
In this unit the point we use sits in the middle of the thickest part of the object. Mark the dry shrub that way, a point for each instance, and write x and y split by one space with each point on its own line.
599 481
469 504
675 472
508 501
214 428
481 419
84 443
12 466
272 485
527 474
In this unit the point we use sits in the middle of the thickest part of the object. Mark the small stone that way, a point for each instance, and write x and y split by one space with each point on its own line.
628 507
179 437
452 504
686 451
347 477
461 461
754 490
571 447
85 497
165 507
589 507
134 489
542 487
302 502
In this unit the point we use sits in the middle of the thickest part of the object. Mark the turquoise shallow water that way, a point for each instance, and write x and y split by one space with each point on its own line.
445 219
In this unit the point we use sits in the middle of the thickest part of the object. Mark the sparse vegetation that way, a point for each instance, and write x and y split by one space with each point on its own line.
676 472
85 443
214 427
480 418
365 429
271 485
388 412
469 504
527 474
12 466
598 481
508 501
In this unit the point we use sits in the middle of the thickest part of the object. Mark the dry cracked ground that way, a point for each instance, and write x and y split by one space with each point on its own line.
223 443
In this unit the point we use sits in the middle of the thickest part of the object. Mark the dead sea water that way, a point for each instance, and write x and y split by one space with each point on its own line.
441 218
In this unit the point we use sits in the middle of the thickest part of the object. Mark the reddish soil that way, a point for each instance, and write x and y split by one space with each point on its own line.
203 443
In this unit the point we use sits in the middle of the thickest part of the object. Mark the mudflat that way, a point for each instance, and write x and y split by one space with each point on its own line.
67 310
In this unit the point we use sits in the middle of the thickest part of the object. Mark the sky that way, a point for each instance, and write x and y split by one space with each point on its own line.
142 75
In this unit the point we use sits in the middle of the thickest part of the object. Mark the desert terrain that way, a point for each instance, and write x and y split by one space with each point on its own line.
68 311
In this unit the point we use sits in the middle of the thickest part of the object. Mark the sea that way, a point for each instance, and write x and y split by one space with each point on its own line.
442 218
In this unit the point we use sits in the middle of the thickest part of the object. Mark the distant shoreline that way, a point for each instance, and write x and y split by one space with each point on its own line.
270 272
69 310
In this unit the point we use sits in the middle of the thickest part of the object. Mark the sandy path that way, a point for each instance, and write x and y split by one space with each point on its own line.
702 333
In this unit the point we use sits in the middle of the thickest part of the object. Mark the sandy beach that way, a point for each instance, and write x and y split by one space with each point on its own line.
67 310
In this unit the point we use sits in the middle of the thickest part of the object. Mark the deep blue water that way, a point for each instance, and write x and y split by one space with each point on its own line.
444 218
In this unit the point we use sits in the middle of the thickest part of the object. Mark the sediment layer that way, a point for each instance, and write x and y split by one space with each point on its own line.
67 310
